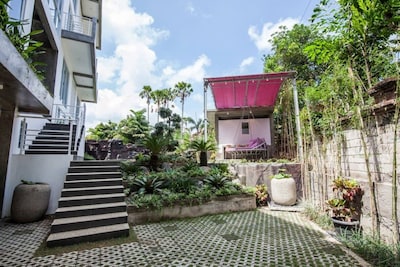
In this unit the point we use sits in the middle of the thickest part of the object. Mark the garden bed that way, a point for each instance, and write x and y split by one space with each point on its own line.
220 204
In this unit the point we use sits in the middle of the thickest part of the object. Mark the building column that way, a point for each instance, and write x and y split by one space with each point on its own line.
6 126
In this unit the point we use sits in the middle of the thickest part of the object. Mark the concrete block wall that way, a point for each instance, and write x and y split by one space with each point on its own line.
380 150
252 174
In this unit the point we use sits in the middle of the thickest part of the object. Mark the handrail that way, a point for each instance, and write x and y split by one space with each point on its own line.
74 116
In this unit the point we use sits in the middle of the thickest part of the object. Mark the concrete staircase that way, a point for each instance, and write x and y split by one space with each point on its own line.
92 205
52 139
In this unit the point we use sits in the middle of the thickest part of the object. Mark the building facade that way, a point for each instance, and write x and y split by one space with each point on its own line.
42 99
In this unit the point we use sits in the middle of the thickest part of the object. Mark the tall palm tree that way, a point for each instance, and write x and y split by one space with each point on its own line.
146 93
158 97
182 91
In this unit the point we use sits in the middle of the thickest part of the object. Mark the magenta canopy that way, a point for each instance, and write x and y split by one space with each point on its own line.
257 90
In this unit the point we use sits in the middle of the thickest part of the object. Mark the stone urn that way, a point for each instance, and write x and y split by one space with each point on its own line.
30 202
283 190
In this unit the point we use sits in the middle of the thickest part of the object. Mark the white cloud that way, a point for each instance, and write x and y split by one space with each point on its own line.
197 98
245 63
261 40
132 63
192 73
190 8
108 67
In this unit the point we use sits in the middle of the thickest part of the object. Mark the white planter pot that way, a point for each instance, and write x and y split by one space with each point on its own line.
283 191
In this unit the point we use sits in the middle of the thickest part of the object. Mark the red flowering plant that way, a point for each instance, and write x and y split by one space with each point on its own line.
347 202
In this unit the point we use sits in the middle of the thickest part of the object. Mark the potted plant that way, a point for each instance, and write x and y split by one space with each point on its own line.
202 146
283 188
345 206
30 201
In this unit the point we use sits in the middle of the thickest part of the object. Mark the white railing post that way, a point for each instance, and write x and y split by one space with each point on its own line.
71 127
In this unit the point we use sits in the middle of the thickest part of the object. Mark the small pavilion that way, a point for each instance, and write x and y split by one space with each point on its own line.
244 107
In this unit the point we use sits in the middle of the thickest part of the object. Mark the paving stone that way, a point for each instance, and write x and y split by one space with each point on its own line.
254 238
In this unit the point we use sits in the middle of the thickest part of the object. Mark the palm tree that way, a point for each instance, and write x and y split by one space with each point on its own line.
168 95
146 93
198 125
183 90
157 97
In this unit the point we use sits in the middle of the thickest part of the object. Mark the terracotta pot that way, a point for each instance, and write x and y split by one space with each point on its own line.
30 202
283 191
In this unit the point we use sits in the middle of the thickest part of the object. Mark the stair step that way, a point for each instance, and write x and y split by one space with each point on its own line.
95 163
86 235
76 211
50 141
48 151
52 137
92 175
57 126
93 182
48 147
84 191
84 222
89 169
54 132
89 200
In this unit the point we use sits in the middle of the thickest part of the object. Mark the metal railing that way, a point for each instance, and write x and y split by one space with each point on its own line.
74 116
74 23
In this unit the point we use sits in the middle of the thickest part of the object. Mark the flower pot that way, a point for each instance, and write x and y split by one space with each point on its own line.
283 191
344 227
30 202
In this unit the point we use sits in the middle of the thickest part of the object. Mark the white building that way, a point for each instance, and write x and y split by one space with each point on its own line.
71 33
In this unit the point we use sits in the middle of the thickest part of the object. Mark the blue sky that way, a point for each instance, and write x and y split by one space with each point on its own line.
160 43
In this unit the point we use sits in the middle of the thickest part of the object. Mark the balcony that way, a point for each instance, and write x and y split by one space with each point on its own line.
78 38
19 85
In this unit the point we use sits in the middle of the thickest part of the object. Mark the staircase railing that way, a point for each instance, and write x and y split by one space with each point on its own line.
74 116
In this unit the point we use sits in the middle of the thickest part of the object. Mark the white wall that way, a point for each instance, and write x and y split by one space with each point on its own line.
230 131
50 169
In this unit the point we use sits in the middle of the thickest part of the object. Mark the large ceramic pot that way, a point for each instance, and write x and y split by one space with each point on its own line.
30 202
283 191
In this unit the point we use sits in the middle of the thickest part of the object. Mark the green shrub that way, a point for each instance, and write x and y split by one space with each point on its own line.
86 156
182 184
216 180
318 216
129 167
147 184
372 249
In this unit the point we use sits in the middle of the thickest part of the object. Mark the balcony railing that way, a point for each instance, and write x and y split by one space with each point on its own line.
77 24
73 23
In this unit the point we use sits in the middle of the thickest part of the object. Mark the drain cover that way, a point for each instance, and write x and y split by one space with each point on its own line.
230 237
170 228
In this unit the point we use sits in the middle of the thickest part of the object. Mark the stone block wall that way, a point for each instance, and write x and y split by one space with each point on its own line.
352 165
252 174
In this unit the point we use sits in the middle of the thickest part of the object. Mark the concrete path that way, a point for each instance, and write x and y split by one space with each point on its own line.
254 238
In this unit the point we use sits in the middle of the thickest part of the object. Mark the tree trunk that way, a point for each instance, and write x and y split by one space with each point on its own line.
394 170
357 91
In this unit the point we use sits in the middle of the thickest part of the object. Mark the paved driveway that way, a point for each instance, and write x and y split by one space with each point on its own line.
254 238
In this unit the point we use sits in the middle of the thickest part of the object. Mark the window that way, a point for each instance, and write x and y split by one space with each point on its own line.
16 9
245 128
64 84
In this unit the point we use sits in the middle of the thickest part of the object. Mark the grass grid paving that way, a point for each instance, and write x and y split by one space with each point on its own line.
254 238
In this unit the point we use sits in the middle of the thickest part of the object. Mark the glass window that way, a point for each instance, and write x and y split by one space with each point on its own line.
15 10
245 128
64 84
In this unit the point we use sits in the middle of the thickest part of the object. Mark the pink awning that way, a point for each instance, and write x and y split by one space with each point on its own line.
259 90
